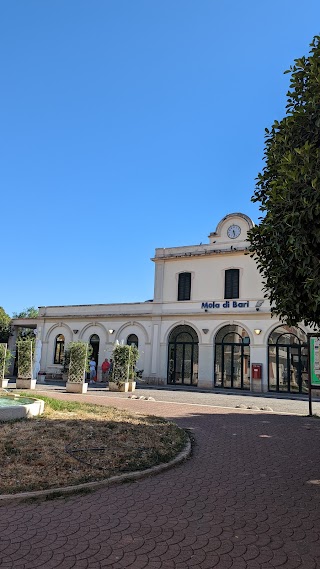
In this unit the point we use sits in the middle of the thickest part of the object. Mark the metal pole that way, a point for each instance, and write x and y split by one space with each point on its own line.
309 375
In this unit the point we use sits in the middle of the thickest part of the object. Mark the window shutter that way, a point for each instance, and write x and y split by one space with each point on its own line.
231 286
184 286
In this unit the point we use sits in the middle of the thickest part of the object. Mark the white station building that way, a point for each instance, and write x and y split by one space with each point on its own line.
208 324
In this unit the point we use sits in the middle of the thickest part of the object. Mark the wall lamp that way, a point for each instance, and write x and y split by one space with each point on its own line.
257 331
111 331
205 330
75 331
259 303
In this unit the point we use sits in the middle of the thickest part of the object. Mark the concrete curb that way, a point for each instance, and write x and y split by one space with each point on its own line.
91 486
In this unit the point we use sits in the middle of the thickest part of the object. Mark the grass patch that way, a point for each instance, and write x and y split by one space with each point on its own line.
72 443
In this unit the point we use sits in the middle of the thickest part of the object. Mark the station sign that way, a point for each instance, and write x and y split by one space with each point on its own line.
225 304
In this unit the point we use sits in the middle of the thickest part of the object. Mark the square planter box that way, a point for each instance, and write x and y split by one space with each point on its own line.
41 377
3 383
25 383
126 386
76 387
115 387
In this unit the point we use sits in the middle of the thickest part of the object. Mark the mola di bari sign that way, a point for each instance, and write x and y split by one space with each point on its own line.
225 304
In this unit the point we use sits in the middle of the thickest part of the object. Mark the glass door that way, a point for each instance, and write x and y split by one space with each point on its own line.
227 363
232 358
237 367
187 364
183 356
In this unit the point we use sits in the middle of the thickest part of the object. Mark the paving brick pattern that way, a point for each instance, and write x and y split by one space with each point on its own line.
279 402
249 497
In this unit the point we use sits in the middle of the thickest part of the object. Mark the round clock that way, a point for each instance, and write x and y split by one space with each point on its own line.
233 231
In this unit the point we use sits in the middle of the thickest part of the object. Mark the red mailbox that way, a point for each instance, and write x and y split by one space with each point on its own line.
256 370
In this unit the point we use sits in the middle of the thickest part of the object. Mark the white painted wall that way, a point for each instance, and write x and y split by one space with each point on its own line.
208 276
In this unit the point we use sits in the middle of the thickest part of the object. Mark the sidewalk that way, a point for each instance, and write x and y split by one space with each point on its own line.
249 497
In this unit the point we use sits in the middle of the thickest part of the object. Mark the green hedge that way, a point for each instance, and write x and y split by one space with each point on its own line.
5 358
25 348
124 363
79 354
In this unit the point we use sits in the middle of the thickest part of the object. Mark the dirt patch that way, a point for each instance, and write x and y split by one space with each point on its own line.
72 443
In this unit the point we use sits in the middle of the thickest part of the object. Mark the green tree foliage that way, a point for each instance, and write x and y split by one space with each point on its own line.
30 312
4 326
286 244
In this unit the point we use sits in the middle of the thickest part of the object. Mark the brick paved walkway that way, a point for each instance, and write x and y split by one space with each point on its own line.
248 498
279 402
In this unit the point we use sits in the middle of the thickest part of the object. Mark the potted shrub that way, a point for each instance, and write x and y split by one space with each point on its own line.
5 358
134 356
123 373
66 363
25 380
79 355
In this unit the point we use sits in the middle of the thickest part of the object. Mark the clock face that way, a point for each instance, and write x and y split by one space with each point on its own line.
233 231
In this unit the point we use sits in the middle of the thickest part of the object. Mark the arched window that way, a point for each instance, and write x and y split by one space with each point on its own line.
183 355
232 358
184 286
288 360
59 349
94 339
133 339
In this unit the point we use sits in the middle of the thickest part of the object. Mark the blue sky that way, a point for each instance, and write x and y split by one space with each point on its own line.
128 125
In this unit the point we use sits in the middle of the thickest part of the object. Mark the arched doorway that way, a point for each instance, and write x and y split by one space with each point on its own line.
183 355
288 360
94 343
232 358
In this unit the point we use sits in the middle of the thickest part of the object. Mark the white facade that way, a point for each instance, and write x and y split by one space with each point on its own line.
206 312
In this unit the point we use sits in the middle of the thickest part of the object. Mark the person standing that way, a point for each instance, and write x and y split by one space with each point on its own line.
105 369
92 365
